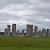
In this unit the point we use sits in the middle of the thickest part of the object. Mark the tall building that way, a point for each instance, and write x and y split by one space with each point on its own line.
13 29
29 30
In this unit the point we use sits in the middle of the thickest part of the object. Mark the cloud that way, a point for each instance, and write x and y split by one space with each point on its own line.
23 12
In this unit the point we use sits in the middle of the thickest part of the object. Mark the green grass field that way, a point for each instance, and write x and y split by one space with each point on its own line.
24 43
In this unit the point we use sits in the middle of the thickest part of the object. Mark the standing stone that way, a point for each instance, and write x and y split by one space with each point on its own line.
25 32
47 33
18 33
13 29
29 30
36 31
39 33
8 30
43 32
22 32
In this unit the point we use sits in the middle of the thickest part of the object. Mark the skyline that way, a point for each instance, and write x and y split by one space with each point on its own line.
23 12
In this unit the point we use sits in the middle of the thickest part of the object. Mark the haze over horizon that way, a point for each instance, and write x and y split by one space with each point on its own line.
23 12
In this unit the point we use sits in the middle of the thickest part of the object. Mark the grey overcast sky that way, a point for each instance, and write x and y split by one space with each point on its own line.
23 12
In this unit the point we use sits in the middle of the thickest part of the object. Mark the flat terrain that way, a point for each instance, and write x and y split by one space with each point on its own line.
24 43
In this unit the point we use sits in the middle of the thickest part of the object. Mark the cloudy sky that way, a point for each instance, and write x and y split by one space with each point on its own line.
23 12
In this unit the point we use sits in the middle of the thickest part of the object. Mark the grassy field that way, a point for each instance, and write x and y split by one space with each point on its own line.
24 43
